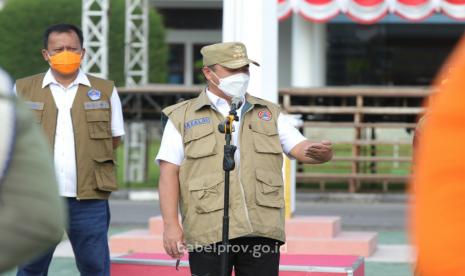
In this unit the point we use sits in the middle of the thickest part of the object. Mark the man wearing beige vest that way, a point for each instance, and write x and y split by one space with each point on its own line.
192 176
82 119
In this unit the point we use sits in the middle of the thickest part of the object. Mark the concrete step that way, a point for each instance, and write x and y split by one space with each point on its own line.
139 240
313 226
303 226
156 225
346 243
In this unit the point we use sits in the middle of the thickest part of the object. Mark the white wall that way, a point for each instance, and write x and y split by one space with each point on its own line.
255 24
189 38
284 53
308 53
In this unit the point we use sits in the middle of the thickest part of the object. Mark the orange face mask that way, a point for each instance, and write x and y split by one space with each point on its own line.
65 62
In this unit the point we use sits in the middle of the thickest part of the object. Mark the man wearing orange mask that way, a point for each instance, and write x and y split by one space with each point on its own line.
82 118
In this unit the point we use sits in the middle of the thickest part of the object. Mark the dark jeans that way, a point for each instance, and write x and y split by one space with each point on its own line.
88 234
250 256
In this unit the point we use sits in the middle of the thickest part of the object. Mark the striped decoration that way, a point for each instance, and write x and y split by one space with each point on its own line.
370 11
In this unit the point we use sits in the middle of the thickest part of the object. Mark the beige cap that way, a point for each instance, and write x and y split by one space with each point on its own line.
231 55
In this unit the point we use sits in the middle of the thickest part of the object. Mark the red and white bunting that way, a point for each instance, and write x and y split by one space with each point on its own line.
371 11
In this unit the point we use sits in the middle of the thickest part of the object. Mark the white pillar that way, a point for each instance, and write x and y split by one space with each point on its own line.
308 64
135 152
188 63
255 23
308 53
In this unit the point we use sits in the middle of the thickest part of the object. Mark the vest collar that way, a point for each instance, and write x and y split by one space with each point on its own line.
81 78
252 101
202 100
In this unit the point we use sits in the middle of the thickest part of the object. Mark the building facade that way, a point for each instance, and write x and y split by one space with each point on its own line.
339 52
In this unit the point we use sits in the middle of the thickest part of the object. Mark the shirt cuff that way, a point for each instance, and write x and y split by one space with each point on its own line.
118 133
158 159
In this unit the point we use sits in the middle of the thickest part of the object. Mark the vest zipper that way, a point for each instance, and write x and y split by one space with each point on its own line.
239 177
75 153
239 169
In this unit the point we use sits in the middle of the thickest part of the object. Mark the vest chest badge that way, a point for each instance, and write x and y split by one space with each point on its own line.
264 115
94 95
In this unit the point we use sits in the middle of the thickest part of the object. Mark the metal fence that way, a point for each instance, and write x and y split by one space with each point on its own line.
362 112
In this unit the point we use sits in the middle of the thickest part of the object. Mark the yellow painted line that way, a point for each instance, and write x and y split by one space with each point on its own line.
287 187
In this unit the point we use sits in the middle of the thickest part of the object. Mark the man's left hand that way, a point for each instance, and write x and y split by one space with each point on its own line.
320 152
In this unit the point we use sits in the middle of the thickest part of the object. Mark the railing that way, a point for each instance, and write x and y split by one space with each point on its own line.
361 111
146 102
364 111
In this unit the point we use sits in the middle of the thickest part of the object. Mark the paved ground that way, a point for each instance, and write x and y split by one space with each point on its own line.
387 218
375 216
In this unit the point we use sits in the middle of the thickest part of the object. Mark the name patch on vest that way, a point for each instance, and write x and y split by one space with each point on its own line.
97 105
35 105
197 122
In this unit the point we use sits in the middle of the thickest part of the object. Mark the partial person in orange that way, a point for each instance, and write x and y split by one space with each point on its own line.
437 212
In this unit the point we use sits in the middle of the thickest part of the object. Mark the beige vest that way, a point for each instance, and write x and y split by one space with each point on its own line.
92 131
256 188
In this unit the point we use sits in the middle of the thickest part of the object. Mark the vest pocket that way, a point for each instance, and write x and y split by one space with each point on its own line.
38 116
199 142
269 191
98 122
105 174
207 193
265 137
38 110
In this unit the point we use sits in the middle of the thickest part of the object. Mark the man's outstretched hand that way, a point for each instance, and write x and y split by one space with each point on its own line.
322 151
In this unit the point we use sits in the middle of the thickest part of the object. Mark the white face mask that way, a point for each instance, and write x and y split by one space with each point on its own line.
234 85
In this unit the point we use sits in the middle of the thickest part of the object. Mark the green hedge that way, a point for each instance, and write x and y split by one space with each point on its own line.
22 23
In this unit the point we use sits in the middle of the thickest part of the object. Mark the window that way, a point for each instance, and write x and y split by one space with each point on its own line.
388 54
176 64
192 19
197 76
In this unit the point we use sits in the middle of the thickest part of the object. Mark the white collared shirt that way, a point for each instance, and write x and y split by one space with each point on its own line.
172 146
64 148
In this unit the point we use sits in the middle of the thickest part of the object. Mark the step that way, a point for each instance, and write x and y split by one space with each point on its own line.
313 226
346 243
302 226
136 241
156 225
